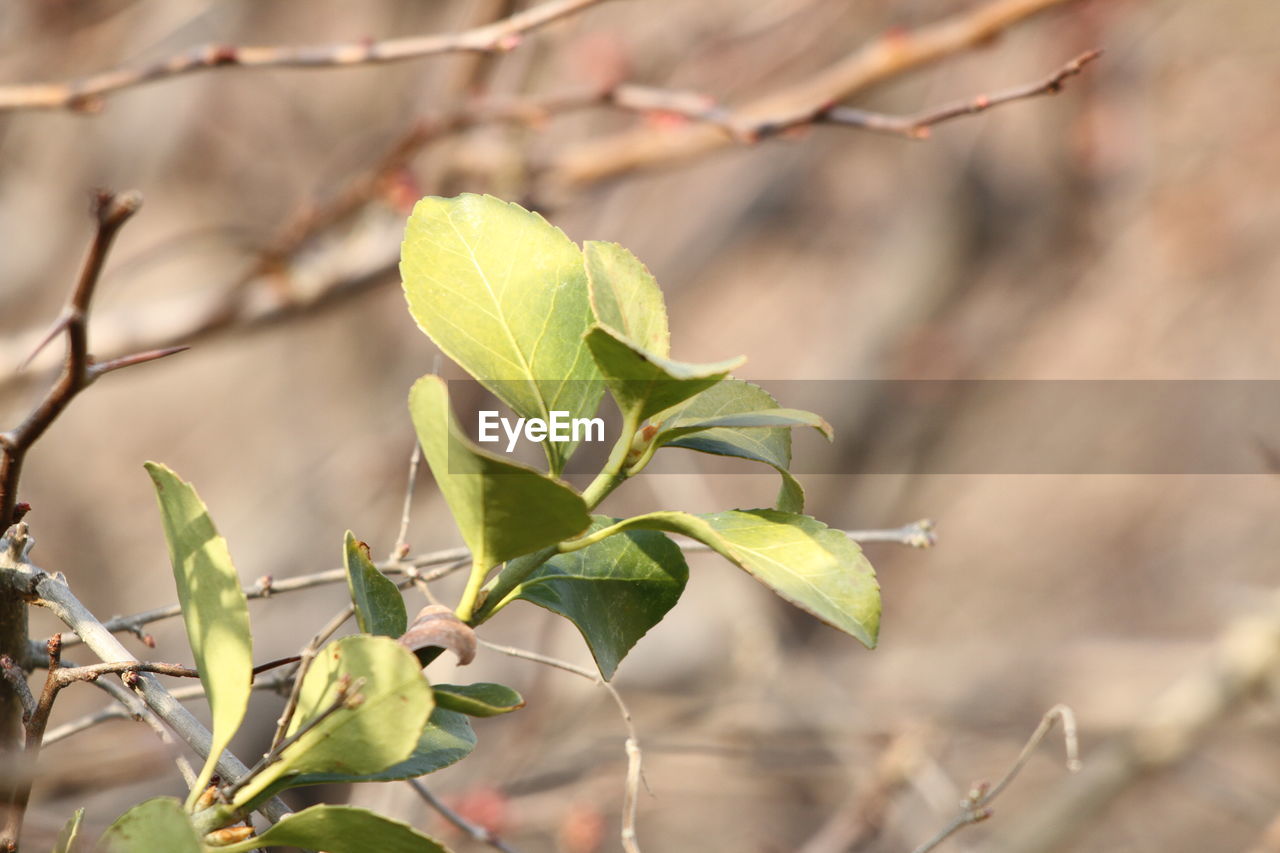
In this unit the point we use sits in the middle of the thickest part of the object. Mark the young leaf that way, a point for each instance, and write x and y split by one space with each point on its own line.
625 297
478 700
213 608
805 562
644 383
379 607
504 294
340 829
157 824
614 591
502 509
66 842
736 418
377 732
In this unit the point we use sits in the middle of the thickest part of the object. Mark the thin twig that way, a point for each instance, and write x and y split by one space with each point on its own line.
918 534
346 696
17 678
477 832
635 758
111 212
401 549
976 807
894 54
305 659
52 592
87 94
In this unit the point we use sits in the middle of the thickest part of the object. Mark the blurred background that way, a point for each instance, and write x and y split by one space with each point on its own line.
1125 229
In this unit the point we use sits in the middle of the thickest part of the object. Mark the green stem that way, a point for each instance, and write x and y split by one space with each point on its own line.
613 473
471 595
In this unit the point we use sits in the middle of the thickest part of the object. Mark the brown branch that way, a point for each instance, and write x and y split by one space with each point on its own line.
1244 662
890 56
88 94
917 126
976 806
478 833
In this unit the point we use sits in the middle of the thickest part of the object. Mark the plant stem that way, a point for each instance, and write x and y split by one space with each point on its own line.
614 471
466 608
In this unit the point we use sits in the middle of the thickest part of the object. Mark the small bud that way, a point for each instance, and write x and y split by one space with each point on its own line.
207 798
229 835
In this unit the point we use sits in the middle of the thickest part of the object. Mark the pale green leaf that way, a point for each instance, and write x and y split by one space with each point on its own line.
380 731
214 609
502 509
817 569
736 418
157 824
378 605
70 833
626 298
504 294
478 700
644 383
614 591
340 829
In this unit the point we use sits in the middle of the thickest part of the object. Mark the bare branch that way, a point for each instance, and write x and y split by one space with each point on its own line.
40 588
1245 659
976 807
918 534
88 94
889 56
17 678
478 833
635 758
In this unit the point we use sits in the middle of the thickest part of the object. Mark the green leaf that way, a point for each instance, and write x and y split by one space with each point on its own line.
504 294
478 700
157 824
379 607
379 732
213 608
447 739
502 509
817 569
614 591
644 383
625 297
340 829
736 418
66 842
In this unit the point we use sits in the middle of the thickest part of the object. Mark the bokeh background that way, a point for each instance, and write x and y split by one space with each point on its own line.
1125 229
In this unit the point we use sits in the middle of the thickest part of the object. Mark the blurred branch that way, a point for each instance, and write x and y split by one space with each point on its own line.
35 586
913 126
861 820
475 831
976 807
1244 659
635 758
889 56
87 94
918 534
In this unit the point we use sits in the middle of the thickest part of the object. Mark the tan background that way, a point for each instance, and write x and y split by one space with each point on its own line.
1126 229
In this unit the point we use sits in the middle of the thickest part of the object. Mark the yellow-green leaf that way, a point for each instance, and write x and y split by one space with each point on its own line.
478 700
625 297
67 838
157 824
502 509
504 294
805 562
213 608
379 731
644 383
340 829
